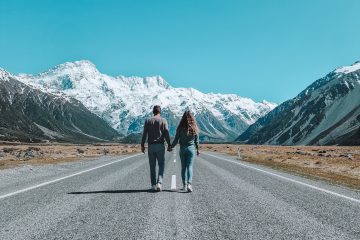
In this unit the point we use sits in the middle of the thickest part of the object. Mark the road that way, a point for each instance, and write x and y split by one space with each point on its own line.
109 198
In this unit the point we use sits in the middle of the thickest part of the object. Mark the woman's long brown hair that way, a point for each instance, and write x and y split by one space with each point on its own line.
188 124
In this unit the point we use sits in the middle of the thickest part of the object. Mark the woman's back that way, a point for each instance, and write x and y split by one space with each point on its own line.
186 139
187 134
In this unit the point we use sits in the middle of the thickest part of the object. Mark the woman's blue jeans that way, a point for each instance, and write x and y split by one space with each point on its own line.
187 155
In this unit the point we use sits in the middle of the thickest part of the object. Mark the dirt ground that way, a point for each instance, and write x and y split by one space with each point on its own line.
339 165
12 155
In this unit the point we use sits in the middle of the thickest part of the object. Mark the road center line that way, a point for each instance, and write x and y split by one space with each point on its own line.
288 179
173 182
62 178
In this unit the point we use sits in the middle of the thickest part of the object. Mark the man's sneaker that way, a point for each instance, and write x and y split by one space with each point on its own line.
158 187
189 188
153 188
184 187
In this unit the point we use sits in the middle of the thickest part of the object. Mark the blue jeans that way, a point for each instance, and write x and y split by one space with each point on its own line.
187 156
156 152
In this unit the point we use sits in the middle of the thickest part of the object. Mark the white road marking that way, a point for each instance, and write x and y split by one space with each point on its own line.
62 178
173 182
289 179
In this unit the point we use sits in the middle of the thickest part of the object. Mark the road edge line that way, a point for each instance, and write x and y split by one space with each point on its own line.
288 179
65 177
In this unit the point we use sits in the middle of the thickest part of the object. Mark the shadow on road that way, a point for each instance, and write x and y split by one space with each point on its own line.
122 191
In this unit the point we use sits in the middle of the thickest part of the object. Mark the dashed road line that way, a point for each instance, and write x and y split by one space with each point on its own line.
173 182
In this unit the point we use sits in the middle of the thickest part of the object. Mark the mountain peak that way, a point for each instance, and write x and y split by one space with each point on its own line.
4 75
77 66
348 69
80 63
156 81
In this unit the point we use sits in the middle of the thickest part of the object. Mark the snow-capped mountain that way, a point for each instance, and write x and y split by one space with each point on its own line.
28 114
124 102
327 112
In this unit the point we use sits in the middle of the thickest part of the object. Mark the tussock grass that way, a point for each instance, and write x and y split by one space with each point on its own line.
336 164
13 155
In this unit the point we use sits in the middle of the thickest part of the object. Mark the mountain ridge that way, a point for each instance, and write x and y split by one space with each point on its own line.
326 112
31 115
125 102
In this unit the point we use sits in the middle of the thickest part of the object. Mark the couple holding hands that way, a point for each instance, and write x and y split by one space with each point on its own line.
157 132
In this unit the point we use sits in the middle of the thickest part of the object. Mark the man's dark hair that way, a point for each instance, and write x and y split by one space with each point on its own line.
156 109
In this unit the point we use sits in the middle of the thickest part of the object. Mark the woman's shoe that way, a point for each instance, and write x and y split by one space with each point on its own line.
184 187
189 188
153 188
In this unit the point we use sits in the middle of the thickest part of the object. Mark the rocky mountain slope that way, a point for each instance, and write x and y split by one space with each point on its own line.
32 115
125 102
325 113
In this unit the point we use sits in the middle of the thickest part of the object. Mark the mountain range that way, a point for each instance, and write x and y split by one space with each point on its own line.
75 102
125 102
32 115
325 113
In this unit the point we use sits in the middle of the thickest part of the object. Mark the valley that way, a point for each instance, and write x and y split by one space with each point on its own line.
336 164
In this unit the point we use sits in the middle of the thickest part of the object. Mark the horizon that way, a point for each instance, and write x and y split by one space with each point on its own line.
254 49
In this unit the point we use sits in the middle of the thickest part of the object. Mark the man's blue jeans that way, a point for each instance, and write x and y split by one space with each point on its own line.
187 155
156 152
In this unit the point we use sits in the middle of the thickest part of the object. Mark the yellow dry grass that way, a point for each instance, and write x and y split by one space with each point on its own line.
339 165
13 155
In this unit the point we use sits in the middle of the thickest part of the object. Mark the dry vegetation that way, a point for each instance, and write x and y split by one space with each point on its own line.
339 165
12 155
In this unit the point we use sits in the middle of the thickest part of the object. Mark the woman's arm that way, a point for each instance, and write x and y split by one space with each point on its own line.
176 139
196 141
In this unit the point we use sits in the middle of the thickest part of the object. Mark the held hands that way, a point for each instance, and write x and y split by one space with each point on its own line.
143 149
169 148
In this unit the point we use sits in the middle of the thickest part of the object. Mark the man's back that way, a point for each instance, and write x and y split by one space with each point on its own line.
156 128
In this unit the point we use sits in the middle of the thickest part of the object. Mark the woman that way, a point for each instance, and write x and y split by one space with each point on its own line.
187 133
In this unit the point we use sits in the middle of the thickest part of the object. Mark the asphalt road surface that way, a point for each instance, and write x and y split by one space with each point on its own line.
109 198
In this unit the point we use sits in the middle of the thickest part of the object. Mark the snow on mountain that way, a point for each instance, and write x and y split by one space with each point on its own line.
4 75
31 115
124 102
349 69
326 112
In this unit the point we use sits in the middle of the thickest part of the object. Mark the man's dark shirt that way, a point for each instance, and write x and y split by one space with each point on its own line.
156 129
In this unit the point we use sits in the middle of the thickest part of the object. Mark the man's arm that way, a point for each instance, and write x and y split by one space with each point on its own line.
166 133
144 135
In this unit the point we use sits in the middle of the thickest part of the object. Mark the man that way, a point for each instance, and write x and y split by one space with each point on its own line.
156 129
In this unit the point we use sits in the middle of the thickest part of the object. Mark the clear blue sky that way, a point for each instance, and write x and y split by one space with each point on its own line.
259 49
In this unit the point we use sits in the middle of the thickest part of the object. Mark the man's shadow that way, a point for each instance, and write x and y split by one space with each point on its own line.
122 191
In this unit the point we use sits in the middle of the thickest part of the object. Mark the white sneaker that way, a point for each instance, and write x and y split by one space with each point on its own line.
158 187
189 188
184 187
153 188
